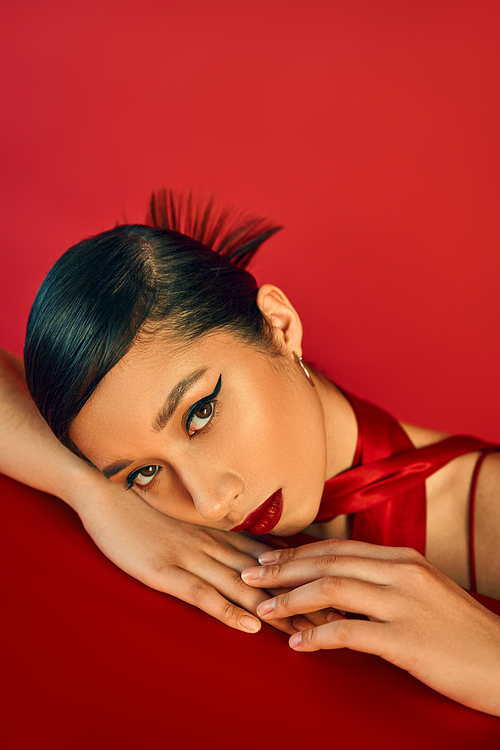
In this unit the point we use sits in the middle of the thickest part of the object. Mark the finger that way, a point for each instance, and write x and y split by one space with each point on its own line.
302 623
297 572
358 635
233 550
249 544
319 617
337 547
240 541
345 594
227 578
231 557
193 590
228 583
322 616
316 618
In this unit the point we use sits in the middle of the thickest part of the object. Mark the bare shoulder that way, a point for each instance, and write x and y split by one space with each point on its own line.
487 526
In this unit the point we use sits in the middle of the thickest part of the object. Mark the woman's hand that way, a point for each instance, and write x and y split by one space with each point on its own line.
419 619
199 565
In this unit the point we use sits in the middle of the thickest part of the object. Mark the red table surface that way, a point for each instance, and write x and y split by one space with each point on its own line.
93 658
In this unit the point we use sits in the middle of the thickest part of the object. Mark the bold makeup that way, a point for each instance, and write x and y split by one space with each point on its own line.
265 517
200 405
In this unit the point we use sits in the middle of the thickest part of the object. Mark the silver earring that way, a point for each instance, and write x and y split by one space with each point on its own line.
304 369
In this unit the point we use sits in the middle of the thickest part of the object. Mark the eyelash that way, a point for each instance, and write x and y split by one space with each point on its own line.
132 477
211 399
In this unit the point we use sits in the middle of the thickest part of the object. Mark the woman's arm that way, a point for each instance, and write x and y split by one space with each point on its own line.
29 452
200 566
419 619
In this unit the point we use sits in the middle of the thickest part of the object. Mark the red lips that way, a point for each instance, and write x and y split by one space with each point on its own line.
265 517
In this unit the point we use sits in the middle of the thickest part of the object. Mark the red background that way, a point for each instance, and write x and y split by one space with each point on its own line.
369 129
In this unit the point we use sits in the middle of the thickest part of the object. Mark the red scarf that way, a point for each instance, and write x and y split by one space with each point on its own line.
385 488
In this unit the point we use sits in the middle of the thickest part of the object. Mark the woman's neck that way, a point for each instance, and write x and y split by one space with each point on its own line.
341 427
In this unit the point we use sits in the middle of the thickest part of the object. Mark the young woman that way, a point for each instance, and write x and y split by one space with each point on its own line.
177 411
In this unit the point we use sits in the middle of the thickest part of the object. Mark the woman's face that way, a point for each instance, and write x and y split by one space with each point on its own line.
209 432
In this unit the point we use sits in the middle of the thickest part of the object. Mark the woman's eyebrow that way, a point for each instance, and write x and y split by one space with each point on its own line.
112 469
172 401
165 413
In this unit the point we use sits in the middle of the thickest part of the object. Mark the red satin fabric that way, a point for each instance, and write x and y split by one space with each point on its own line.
385 489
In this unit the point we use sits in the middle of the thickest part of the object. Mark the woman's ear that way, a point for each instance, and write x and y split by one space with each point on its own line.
283 318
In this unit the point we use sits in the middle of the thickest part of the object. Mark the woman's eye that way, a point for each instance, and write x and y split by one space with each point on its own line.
200 417
145 475
203 411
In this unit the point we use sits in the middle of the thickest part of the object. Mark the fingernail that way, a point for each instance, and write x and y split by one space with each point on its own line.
252 574
250 624
268 557
265 607
295 640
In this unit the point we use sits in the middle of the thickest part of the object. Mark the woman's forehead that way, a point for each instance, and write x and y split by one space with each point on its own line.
170 353
153 368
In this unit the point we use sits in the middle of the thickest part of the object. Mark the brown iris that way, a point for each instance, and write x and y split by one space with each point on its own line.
204 411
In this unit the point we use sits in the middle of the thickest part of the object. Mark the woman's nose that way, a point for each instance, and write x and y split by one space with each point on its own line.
213 494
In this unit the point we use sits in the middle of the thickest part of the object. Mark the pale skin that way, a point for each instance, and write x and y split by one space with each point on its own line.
270 430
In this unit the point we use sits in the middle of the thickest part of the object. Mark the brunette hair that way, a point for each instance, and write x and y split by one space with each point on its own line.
185 269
